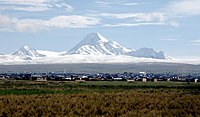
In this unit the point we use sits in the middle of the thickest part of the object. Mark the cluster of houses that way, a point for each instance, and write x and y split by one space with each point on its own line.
130 77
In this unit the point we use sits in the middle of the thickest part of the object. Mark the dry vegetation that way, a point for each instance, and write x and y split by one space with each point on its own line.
127 103
116 102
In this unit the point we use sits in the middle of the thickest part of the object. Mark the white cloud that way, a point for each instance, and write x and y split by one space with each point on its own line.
27 8
34 25
196 42
174 24
139 17
169 39
34 5
73 21
131 24
116 3
189 7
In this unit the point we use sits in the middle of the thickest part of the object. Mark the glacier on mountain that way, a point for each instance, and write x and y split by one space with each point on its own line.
27 52
50 53
96 44
94 48
148 53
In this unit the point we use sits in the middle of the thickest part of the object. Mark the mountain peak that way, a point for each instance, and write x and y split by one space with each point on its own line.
96 44
25 47
26 51
149 53
94 38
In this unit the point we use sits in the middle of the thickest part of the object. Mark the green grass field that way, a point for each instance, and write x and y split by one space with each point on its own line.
99 98
70 87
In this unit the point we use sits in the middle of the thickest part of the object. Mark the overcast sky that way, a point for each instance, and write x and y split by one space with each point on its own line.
172 26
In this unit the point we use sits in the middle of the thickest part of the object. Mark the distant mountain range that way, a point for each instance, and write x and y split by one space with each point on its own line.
94 48
96 44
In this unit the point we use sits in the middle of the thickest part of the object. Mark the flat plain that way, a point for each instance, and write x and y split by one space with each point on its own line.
103 68
99 98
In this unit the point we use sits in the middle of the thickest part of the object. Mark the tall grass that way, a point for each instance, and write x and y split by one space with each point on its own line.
127 103
22 98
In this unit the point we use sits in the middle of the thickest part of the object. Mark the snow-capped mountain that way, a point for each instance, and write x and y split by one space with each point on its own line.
96 44
1 53
27 52
50 53
149 53
94 48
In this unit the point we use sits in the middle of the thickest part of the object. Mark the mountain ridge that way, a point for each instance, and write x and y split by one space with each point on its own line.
94 48
148 53
26 51
96 44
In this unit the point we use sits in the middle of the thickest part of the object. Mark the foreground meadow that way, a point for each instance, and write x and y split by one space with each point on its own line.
25 98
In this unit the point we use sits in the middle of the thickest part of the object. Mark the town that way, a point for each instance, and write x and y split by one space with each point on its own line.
126 76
